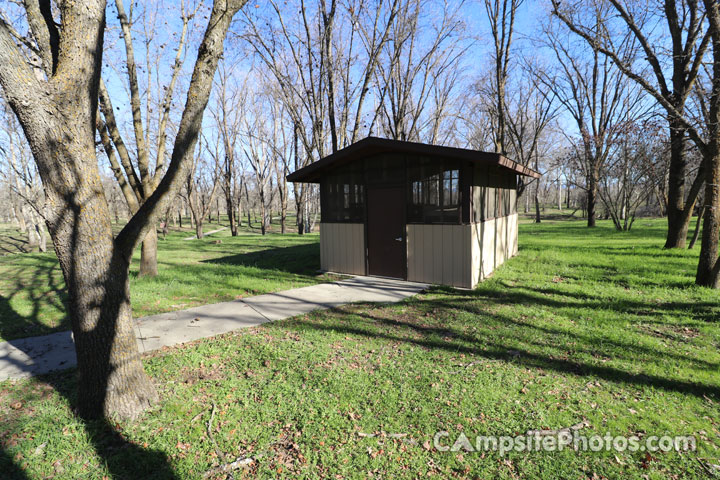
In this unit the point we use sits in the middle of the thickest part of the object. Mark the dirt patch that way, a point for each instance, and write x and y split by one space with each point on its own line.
676 333
204 372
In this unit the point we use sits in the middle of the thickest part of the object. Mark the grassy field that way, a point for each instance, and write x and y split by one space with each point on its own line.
191 273
592 328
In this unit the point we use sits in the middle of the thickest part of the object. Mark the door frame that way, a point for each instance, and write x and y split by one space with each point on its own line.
400 187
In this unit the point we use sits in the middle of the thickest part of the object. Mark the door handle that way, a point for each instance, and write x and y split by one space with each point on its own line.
398 239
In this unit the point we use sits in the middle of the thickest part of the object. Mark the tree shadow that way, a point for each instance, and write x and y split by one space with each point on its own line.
297 259
124 459
455 341
43 286
11 245
704 311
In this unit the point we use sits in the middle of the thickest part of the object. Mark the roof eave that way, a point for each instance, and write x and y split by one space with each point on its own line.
312 173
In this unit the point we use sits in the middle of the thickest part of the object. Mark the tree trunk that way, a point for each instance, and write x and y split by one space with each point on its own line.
696 234
111 376
708 272
283 217
591 200
678 223
22 226
263 213
199 228
148 254
231 214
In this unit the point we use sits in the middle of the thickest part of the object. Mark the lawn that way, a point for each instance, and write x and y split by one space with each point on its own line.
598 328
191 273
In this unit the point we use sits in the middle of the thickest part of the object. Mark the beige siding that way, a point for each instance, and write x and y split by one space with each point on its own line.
439 254
493 242
342 248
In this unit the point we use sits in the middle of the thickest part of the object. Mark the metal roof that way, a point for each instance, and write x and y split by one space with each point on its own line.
374 145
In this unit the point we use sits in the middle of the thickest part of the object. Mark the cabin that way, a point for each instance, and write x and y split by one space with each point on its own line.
418 212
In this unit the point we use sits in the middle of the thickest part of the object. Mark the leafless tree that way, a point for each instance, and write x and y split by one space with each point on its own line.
258 134
693 28
418 71
501 17
597 96
28 198
202 184
138 184
674 55
56 102
531 111
626 180
228 113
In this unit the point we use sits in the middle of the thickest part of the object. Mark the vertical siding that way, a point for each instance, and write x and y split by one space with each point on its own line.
492 242
439 254
342 248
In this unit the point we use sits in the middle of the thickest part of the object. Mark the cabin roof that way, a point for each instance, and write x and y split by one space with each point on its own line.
374 145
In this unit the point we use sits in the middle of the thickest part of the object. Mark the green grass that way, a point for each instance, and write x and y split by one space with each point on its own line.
191 273
12 240
590 325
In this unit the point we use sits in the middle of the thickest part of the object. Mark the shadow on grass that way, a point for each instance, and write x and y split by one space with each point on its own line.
297 259
455 341
703 311
44 289
10 245
123 459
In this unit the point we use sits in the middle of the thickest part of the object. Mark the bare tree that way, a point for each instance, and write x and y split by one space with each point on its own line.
682 44
532 109
28 198
626 180
258 138
692 32
414 78
323 77
228 115
501 16
598 97
202 185
138 184
58 113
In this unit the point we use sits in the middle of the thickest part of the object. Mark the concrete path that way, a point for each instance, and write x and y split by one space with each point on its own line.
194 237
37 355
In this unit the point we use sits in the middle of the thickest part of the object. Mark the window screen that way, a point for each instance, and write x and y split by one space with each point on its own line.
494 194
433 192
343 198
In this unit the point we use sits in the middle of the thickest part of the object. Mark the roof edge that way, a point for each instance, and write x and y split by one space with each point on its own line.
309 173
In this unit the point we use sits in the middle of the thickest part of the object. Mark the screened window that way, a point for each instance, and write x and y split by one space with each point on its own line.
451 187
434 193
343 198
494 195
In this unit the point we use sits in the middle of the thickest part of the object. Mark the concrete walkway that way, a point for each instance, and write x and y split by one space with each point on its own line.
194 237
37 355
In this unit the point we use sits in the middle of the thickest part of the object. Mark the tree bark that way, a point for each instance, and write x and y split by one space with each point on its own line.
678 222
148 254
591 199
231 212
696 234
708 271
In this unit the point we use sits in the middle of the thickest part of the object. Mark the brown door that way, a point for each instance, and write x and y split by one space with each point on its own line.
386 232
